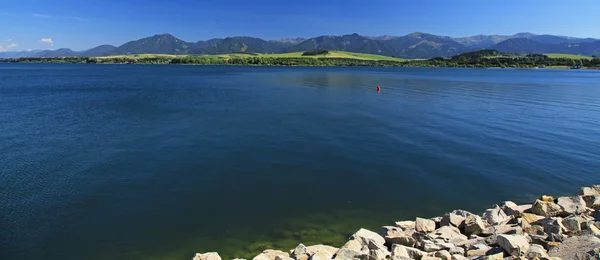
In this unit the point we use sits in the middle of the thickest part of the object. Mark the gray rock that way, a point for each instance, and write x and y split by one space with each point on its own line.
465 214
424 225
443 254
405 225
414 253
515 245
495 216
430 246
572 224
390 231
470 243
300 251
571 205
591 229
590 191
451 219
536 251
365 236
546 209
495 256
403 239
207 256
456 251
448 233
574 245
378 251
552 225
350 254
474 225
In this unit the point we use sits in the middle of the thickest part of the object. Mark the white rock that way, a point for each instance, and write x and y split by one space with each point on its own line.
430 258
458 257
512 209
424 225
300 251
414 253
594 191
405 239
456 251
399 250
474 225
536 251
463 213
515 245
572 205
430 246
495 216
546 209
406 225
365 236
322 251
272 255
207 256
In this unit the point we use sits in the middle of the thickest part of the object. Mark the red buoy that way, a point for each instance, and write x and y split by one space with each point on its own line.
378 88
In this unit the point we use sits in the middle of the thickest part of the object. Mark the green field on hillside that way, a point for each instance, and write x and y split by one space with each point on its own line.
568 56
227 56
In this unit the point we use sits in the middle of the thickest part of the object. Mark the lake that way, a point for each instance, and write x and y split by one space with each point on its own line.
161 162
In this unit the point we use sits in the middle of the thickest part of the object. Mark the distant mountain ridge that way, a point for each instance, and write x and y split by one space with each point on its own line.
412 46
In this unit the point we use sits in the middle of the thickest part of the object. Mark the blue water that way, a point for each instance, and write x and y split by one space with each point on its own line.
160 162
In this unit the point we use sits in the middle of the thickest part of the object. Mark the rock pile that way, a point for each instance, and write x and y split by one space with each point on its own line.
550 228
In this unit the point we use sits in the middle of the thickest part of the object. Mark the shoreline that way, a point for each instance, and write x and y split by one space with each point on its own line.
550 228
261 65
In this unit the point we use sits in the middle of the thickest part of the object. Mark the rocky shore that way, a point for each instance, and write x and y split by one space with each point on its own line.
550 228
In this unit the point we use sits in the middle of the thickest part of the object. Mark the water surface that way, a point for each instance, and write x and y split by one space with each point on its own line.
160 162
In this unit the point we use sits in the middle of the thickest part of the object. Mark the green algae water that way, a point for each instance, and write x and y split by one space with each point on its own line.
161 162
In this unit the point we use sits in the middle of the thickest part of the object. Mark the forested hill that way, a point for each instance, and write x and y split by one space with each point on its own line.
412 46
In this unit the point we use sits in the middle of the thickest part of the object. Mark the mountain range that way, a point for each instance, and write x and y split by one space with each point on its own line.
412 46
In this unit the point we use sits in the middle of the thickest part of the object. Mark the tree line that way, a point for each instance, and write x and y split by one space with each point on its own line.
479 59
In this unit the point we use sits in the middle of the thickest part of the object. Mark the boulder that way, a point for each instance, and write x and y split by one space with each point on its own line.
478 250
390 231
365 236
536 251
571 205
572 224
463 213
515 245
405 225
443 254
496 256
378 251
414 253
591 229
512 209
430 246
456 251
354 245
399 250
474 225
321 251
458 257
470 243
400 258
424 225
546 209
495 216
592 202
300 252
350 254
590 191
530 218
402 239
272 255
535 230
449 233
547 198
552 225
451 219
207 256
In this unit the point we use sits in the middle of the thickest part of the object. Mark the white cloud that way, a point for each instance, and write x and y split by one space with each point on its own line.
5 47
48 41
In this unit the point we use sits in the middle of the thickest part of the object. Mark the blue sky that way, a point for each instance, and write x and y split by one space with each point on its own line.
83 24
